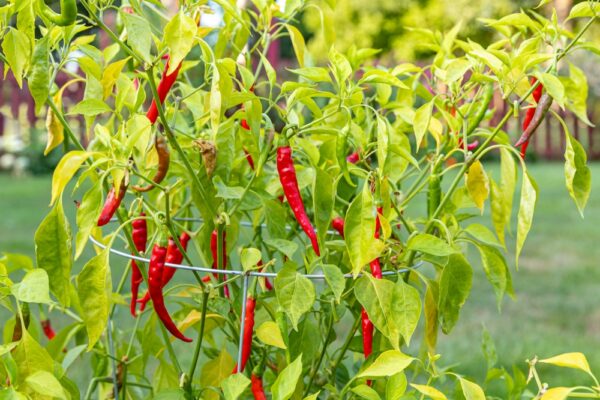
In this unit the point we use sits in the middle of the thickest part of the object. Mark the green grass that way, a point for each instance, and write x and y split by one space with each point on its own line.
557 285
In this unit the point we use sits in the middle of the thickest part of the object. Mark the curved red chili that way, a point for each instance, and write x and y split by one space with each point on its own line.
164 86
538 116
174 256
248 329
157 264
164 160
537 94
287 177
257 388
140 238
112 203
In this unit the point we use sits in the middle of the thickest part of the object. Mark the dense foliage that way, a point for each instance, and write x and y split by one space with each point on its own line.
356 189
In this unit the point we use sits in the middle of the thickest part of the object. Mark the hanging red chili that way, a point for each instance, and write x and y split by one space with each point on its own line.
213 250
537 94
338 224
140 237
257 387
47 328
112 203
287 177
164 86
174 256
248 329
155 272
164 160
538 116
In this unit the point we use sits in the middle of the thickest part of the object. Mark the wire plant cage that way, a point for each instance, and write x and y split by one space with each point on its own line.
245 275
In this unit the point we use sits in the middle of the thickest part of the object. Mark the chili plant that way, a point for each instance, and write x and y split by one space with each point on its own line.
357 188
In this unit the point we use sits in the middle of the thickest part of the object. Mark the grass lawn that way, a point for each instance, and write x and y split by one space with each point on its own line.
557 285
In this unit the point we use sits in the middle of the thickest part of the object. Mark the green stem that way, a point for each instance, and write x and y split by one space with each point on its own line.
200 337
170 350
339 359
321 357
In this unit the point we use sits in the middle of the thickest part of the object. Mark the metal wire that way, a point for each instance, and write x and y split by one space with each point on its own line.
246 274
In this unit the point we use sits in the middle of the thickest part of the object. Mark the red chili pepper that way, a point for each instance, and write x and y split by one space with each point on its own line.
140 237
338 224
249 158
257 387
538 116
287 177
244 124
537 94
157 264
353 158
164 86
112 203
213 250
174 256
248 329
47 328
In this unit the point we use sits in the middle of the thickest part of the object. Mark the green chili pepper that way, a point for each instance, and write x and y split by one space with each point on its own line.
482 108
434 194
67 16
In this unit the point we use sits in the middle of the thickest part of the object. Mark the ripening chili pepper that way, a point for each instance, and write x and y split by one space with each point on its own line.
155 271
353 158
250 159
287 177
257 387
338 224
140 238
67 16
112 203
47 328
164 86
248 329
174 256
537 94
213 251
538 116
164 160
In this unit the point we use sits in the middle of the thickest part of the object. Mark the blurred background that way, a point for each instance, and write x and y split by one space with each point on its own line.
558 281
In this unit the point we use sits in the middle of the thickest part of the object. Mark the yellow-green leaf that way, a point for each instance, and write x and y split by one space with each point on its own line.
471 390
215 371
65 170
388 363
16 47
577 174
46 384
268 333
557 393
478 184
526 209
569 360
297 43
110 75
429 391
179 37
56 130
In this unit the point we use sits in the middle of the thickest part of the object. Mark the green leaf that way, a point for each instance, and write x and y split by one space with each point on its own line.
46 384
584 9
388 363
407 301
54 253
90 108
33 288
477 184
502 196
421 122
234 386
268 333
455 284
39 77
315 74
286 382
216 370
569 360
335 279
429 244
429 391
215 99
297 43
286 247
482 234
577 174
16 47
396 386
471 390
554 87
139 34
31 357
365 392
65 170
496 270
295 293
526 209
324 197
249 258
179 37
87 215
110 75
94 288
359 230
557 393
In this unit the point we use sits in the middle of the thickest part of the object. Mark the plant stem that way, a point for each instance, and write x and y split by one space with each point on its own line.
170 350
200 338
339 359
323 352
